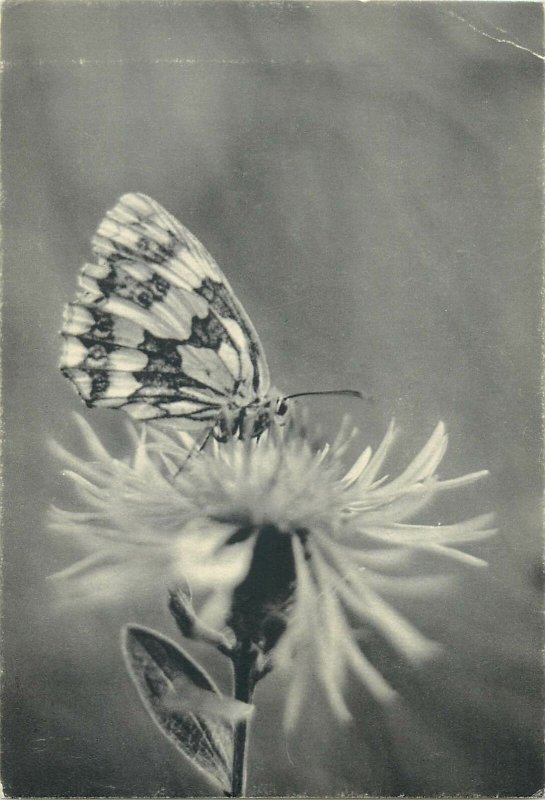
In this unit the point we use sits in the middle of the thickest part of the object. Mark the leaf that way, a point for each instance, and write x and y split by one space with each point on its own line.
184 702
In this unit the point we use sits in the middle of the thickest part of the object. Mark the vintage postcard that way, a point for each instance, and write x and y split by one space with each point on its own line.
272 414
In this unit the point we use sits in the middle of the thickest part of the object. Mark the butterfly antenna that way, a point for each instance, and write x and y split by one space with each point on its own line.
343 392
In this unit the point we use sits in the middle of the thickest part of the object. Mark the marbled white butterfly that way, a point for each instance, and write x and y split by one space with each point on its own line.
157 330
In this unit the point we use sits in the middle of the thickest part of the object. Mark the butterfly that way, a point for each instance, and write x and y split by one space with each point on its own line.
157 330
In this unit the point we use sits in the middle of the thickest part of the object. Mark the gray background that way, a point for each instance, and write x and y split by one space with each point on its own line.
369 178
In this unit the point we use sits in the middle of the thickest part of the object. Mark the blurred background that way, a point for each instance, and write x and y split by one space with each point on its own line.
369 178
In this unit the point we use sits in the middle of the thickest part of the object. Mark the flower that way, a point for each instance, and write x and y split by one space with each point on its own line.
283 545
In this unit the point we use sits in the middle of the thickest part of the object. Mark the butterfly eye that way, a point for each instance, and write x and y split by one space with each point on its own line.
281 408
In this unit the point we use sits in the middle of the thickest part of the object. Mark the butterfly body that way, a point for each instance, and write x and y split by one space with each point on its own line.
157 330
250 420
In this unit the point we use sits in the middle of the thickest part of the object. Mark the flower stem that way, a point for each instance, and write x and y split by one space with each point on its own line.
245 681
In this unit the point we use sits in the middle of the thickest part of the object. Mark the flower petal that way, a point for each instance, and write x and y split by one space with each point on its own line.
355 472
472 530
370 472
424 464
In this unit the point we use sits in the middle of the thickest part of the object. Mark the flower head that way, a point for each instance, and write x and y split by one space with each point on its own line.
286 547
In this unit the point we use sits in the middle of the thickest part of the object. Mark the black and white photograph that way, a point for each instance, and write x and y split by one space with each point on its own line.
272 432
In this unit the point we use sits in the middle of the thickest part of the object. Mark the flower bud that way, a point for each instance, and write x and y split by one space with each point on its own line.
181 607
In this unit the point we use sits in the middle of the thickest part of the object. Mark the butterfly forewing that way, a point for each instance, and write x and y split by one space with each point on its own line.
156 328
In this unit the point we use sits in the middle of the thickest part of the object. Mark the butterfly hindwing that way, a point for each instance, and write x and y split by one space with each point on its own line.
156 328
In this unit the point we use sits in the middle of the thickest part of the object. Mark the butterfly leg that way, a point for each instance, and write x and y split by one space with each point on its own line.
196 449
